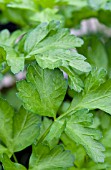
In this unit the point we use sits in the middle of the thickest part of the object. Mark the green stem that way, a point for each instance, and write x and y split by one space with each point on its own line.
15 159
44 134
5 70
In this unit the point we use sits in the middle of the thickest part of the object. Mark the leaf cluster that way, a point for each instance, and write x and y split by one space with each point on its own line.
66 120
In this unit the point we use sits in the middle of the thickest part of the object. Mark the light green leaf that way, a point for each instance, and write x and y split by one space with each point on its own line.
43 91
59 57
13 59
4 36
85 136
77 3
43 158
54 50
60 39
8 39
9 165
24 5
94 79
3 150
46 15
52 47
96 4
55 132
35 36
99 98
26 128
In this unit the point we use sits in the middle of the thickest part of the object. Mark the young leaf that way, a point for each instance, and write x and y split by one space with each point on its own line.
85 136
43 158
9 165
43 91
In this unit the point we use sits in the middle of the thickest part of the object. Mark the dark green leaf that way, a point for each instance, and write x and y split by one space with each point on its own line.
15 128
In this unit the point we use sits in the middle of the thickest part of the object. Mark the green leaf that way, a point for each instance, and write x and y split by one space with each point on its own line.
77 3
6 123
55 132
73 79
43 158
96 4
3 150
52 47
2 55
9 39
85 136
46 123
60 57
35 36
46 15
95 52
99 98
9 165
4 36
46 4
77 150
25 123
27 5
43 91
95 79
82 116
60 39
14 60
15 128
